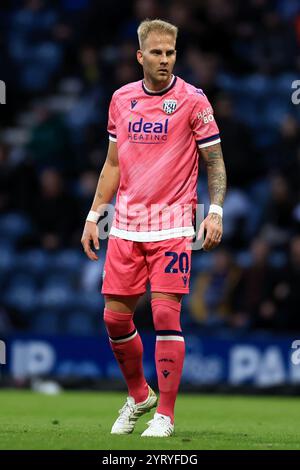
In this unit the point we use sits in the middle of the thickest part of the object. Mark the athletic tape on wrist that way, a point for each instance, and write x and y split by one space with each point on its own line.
215 209
93 216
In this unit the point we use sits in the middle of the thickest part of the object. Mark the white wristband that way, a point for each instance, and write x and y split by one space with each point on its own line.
93 216
215 209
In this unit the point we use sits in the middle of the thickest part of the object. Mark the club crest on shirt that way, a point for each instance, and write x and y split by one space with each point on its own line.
169 106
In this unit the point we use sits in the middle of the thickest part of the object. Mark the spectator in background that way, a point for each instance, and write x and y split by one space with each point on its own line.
18 182
49 142
86 190
89 65
55 213
286 292
278 215
275 45
241 157
191 29
211 296
32 45
6 179
219 18
201 69
252 298
287 151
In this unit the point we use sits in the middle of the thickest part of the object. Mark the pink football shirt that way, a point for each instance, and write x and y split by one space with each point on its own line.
157 135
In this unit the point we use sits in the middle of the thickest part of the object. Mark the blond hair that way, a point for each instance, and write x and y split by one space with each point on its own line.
148 26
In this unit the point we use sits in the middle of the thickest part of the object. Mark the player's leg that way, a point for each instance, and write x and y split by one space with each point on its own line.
169 358
126 343
125 277
128 350
170 269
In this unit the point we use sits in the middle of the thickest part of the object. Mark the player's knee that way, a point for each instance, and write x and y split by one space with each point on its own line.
117 323
166 314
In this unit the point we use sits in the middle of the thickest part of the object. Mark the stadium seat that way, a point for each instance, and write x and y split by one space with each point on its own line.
68 261
80 323
7 258
22 297
91 302
46 322
57 279
56 297
34 261
14 226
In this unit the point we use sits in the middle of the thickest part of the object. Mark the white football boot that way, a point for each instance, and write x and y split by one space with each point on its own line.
131 411
159 426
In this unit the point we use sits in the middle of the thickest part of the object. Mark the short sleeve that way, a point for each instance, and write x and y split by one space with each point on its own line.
203 124
111 126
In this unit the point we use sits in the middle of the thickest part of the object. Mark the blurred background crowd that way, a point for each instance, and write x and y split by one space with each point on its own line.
61 61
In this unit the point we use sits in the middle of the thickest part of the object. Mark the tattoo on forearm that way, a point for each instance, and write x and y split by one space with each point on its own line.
99 195
216 173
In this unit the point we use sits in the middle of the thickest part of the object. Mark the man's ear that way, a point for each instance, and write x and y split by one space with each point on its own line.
139 56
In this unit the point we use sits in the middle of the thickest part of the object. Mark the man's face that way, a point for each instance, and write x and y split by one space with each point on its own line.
158 57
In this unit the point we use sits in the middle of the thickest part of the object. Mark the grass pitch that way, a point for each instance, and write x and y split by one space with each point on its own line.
82 420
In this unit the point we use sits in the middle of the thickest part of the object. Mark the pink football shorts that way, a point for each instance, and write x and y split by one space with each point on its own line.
129 265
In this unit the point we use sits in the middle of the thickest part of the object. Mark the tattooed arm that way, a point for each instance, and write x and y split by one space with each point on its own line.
216 174
107 186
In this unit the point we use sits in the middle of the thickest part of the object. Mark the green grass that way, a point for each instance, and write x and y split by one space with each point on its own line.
82 420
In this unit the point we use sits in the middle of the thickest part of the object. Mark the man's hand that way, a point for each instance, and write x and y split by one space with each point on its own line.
90 234
213 225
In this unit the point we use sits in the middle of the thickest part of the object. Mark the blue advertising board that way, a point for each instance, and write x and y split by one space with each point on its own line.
261 361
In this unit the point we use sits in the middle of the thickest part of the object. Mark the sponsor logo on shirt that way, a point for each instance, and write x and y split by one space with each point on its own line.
206 115
169 106
133 103
144 131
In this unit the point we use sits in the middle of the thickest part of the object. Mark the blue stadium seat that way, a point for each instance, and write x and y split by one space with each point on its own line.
201 263
243 259
21 297
282 84
90 302
18 279
7 259
57 297
46 322
68 261
80 323
275 110
57 279
256 85
278 259
34 261
14 226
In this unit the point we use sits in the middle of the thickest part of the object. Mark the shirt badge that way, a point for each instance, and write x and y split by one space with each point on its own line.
169 106
133 103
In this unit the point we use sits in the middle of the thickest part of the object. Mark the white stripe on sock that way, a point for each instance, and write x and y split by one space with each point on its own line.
169 338
123 340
